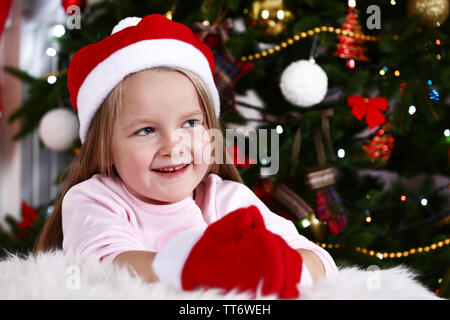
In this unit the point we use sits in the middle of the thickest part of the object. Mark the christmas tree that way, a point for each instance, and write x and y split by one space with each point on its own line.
357 93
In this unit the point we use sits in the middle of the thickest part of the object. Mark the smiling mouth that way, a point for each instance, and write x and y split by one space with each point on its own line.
174 169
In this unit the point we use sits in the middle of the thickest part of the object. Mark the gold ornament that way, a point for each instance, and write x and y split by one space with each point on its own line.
434 12
270 15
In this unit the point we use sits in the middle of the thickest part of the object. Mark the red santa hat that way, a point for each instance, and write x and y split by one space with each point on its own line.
135 44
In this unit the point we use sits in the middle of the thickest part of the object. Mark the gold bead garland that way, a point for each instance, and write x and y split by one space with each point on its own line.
301 35
390 255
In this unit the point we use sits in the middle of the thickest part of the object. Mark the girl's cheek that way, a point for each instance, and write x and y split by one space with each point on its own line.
196 145
141 157
206 154
207 147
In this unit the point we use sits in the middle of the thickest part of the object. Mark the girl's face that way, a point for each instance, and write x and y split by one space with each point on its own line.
159 118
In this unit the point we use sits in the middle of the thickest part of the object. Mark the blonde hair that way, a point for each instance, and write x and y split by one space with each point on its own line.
95 155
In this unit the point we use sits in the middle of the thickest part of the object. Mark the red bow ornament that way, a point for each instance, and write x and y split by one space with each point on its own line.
29 217
369 107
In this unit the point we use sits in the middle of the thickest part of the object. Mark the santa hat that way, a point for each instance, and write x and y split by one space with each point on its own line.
135 44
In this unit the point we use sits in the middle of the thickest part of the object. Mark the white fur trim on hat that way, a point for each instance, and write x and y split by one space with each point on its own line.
137 57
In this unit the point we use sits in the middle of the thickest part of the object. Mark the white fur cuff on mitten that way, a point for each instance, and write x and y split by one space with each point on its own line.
169 261
306 280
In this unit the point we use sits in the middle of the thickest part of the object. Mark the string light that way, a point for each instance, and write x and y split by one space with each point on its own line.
424 202
341 153
279 129
397 73
447 132
280 14
412 110
169 14
351 63
305 223
265 14
58 30
331 245
51 78
438 42
403 198
51 52
402 88
390 255
368 217
394 204
302 35
434 95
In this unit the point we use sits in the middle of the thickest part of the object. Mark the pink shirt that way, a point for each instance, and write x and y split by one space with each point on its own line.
101 218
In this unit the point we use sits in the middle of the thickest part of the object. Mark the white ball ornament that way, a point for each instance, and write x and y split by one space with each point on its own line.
304 83
58 129
125 23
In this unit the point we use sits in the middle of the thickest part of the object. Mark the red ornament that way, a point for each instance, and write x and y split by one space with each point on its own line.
369 107
350 47
79 3
379 147
29 216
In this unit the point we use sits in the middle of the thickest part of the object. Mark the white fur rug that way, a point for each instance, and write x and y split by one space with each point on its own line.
53 276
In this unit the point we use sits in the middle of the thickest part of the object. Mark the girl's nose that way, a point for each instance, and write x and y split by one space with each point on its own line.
175 144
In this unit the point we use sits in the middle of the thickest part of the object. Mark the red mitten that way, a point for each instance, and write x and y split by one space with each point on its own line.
236 252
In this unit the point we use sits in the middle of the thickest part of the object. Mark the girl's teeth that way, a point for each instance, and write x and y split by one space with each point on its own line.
172 169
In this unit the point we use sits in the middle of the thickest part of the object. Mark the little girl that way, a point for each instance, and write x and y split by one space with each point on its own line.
129 199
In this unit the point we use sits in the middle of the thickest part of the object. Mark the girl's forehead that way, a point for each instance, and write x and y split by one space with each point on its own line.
165 86
156 75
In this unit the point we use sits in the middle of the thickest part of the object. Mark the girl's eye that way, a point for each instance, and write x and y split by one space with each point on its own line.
147 130
144 131
193 122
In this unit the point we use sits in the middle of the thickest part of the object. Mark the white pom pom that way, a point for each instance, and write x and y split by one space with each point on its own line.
58 129
125 23
304 83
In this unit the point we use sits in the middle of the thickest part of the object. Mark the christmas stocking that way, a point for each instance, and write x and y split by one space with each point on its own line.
329 206
236 252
